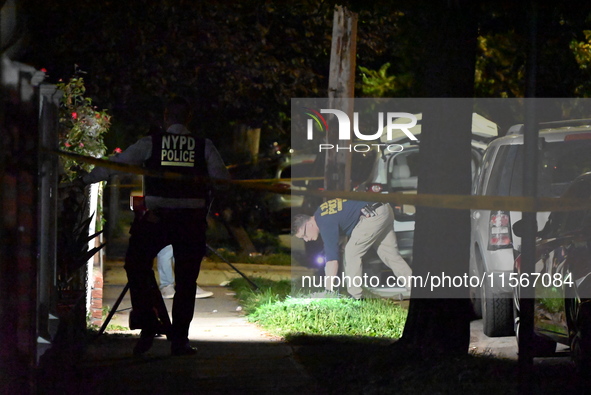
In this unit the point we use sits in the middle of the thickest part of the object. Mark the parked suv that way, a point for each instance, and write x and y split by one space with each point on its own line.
564 153
398 171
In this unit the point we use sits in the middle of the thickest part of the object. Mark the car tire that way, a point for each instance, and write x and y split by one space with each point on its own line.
581 341
476 301
540 346
476 293
497 314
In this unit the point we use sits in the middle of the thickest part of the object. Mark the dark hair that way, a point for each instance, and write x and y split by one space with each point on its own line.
178 110
298 221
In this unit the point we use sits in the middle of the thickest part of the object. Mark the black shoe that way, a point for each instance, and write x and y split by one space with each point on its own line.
183 350
144 344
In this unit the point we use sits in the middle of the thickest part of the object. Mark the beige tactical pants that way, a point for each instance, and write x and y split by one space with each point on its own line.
373 232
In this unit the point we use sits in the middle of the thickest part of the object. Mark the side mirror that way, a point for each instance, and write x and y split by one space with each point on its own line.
518 228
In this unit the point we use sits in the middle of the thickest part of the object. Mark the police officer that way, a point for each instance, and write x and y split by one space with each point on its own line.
176 215
367 225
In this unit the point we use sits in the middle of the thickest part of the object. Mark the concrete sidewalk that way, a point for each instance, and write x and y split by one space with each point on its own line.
218 318
234 356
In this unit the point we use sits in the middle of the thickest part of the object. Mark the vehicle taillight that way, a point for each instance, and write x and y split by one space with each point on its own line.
499 230
579 136
376 188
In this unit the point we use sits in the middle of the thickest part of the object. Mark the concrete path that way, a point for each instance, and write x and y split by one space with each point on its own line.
218 318
235 356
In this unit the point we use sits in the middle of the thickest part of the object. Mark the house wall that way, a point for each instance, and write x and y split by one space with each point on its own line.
19 114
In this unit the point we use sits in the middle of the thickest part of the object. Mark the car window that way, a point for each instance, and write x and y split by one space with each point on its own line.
559 163
570 221
483 171
475 165
361 166
502 171
403 171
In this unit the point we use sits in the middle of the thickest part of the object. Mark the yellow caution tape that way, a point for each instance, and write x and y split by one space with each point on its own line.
459 202
462 202
126 168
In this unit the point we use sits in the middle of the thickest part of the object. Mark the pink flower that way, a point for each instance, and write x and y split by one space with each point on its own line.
117 150
67 144
74 115
81 144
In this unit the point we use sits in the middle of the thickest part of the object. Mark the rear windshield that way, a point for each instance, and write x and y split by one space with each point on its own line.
558 164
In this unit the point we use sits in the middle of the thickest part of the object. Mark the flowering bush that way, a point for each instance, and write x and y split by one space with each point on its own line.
82 127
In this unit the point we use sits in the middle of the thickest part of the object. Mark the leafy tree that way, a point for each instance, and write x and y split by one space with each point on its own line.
582 52
377 83
500 65
241 62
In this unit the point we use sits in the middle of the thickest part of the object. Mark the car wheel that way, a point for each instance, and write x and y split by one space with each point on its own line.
497 314
581 341
476 293
476 299
540 346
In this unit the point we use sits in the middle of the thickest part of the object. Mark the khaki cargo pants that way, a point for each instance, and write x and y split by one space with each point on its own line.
373 232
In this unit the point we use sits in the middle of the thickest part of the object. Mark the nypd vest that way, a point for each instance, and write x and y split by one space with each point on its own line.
180 153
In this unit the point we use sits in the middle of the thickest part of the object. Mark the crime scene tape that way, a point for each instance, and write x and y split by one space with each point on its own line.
459 202
126 168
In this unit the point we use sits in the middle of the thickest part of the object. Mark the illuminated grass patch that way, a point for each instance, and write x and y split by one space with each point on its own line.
272 308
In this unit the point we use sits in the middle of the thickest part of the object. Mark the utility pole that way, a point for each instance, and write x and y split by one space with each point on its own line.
341 89
530 187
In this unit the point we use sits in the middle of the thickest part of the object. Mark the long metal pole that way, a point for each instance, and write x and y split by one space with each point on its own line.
528 247
113 310
254 286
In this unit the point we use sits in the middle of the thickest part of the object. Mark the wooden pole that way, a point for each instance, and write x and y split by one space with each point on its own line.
528 250
341 89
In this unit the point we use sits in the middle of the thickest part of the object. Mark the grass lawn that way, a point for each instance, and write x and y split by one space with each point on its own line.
350 348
